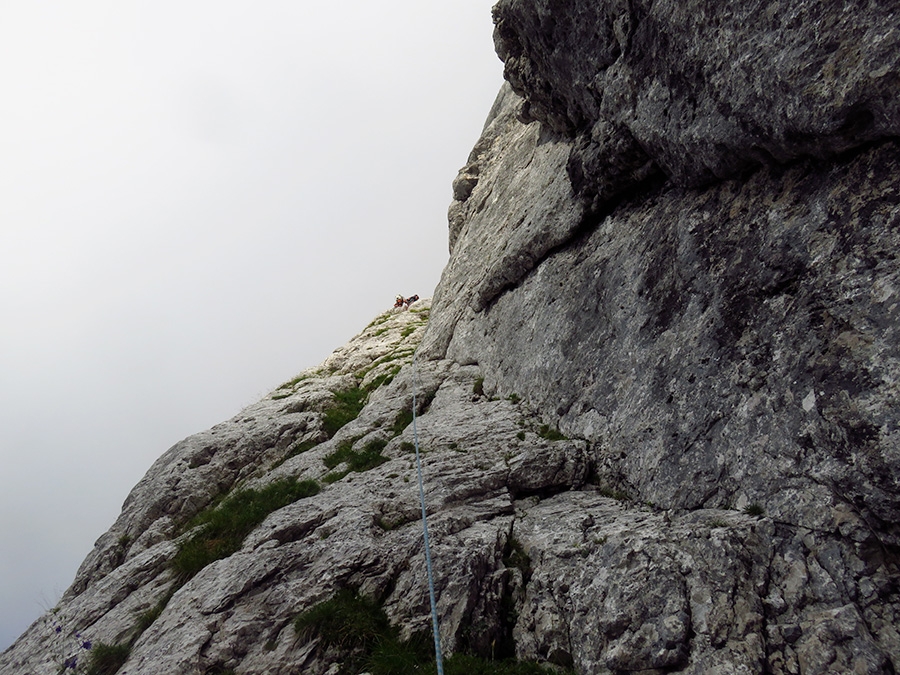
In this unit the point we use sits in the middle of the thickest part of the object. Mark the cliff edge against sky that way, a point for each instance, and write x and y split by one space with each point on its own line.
657 390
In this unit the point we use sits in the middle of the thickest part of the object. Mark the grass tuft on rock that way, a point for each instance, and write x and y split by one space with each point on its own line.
383 379
348 621
358 628
464 664
146 619
225 526
358 460
403 419
514 555
478 387
754 510
549 433
345 408
334 476
107 659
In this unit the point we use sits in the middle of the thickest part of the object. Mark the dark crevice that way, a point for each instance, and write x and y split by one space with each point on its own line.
766 612
541 492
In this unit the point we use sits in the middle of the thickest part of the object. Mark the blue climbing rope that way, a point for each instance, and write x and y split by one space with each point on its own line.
434 617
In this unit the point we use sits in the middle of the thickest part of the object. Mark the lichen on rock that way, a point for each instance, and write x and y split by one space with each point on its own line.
657 393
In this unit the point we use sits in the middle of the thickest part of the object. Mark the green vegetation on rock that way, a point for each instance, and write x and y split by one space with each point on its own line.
403 419
347 621
549 433
345 408
107 659
358 460
754 510
358 628
224 526
514 555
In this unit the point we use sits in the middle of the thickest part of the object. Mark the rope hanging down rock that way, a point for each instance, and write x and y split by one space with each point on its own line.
434 618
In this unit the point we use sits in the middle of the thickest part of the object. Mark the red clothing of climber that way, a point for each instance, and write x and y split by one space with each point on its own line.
405 302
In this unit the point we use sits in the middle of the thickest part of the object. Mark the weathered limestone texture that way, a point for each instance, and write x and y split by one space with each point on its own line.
658 394
703 89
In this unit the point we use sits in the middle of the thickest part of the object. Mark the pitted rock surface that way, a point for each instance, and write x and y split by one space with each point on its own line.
703 89
657 395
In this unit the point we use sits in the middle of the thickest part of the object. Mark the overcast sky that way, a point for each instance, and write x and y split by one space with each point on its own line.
199 199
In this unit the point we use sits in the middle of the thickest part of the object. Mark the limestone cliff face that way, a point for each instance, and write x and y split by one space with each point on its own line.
658 388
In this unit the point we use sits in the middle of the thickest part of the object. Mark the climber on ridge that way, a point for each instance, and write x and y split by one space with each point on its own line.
405 302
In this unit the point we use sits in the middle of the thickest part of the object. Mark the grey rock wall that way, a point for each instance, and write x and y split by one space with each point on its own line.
712 307
716 344
657 393
702 89
722 348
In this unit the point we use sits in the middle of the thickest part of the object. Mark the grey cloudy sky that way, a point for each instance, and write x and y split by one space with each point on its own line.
199 199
